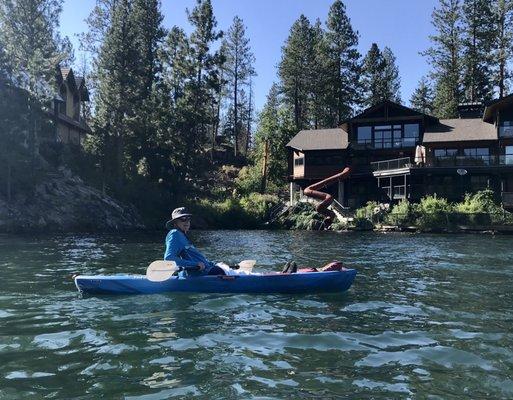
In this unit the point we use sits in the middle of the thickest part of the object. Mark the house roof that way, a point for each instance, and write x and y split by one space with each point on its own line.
496 105
460 130
383 110
320 139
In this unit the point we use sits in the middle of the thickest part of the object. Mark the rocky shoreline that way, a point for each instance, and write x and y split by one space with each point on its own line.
62 202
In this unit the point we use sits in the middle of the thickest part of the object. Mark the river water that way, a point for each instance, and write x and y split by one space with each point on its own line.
428 317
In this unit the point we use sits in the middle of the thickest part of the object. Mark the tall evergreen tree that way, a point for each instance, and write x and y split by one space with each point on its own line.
445 57
372 77
146 19
503 43
295 69
478 42
345 65
275 129
422 98
117 61
320 80
380 77
239 69
391 79
195 86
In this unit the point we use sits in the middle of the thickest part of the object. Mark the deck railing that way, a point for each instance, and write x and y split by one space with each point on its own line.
396 163
471 161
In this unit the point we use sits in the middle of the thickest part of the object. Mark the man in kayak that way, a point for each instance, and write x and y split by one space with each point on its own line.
180 249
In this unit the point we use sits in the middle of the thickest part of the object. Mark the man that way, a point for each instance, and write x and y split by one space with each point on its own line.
180 249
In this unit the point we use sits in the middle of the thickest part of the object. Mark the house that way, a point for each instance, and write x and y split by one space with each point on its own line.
70 126
395 153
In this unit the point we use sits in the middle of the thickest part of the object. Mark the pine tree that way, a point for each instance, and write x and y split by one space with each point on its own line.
422 98
239 69
295 68
478 38
391 79
117 60
344 63
320 80
380 77
372 77
445 58
503 48
146 20
275 129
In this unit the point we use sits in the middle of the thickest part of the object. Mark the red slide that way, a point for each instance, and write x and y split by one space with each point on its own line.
314 192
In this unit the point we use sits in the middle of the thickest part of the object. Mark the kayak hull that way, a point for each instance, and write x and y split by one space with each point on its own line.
310 282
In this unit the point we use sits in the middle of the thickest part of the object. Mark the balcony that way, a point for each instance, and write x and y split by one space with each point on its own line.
386 165
475 161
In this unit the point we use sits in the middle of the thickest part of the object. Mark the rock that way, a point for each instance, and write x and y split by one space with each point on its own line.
64 203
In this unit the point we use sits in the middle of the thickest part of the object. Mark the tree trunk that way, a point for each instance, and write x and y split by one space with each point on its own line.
264 167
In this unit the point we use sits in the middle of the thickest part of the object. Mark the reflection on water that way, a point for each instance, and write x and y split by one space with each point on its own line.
427 317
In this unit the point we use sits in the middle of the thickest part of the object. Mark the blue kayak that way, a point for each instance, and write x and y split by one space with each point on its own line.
306 282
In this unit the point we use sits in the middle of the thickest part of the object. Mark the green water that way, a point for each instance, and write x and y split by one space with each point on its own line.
428 317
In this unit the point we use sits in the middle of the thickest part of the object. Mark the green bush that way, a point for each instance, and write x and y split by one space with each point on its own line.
402 214
368 211
433 214
302 216
258 205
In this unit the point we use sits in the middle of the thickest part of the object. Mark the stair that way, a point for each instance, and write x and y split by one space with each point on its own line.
342 213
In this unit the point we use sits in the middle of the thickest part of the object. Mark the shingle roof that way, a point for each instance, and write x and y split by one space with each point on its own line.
320 139
460 130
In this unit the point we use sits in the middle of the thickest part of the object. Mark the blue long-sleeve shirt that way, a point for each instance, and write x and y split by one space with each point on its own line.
180 250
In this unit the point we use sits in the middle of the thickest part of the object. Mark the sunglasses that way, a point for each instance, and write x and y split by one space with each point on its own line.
184 219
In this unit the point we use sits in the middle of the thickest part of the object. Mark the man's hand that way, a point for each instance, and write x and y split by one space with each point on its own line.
201 266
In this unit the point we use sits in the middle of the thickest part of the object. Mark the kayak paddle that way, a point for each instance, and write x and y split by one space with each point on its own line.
162 270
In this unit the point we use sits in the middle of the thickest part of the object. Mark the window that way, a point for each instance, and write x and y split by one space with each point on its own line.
364 134
508 157
480 153
411 135
299 161
446 153
383 137
506 129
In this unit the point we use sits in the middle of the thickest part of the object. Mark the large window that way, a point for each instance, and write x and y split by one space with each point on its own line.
364 134
480 153
506 129
411 135
389 136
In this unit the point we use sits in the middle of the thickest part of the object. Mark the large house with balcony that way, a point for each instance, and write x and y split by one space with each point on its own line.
398 153
70 125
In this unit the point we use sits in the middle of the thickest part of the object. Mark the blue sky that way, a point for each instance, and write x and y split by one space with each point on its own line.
402 25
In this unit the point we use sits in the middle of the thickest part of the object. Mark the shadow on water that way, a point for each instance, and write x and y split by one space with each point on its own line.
427 316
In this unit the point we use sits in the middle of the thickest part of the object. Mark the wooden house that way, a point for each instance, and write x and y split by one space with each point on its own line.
461 155
70 125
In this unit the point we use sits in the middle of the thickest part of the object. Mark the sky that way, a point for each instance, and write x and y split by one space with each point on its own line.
402 25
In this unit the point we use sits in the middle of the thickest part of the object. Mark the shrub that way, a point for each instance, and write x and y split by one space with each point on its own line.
402 214
433 213
258 205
